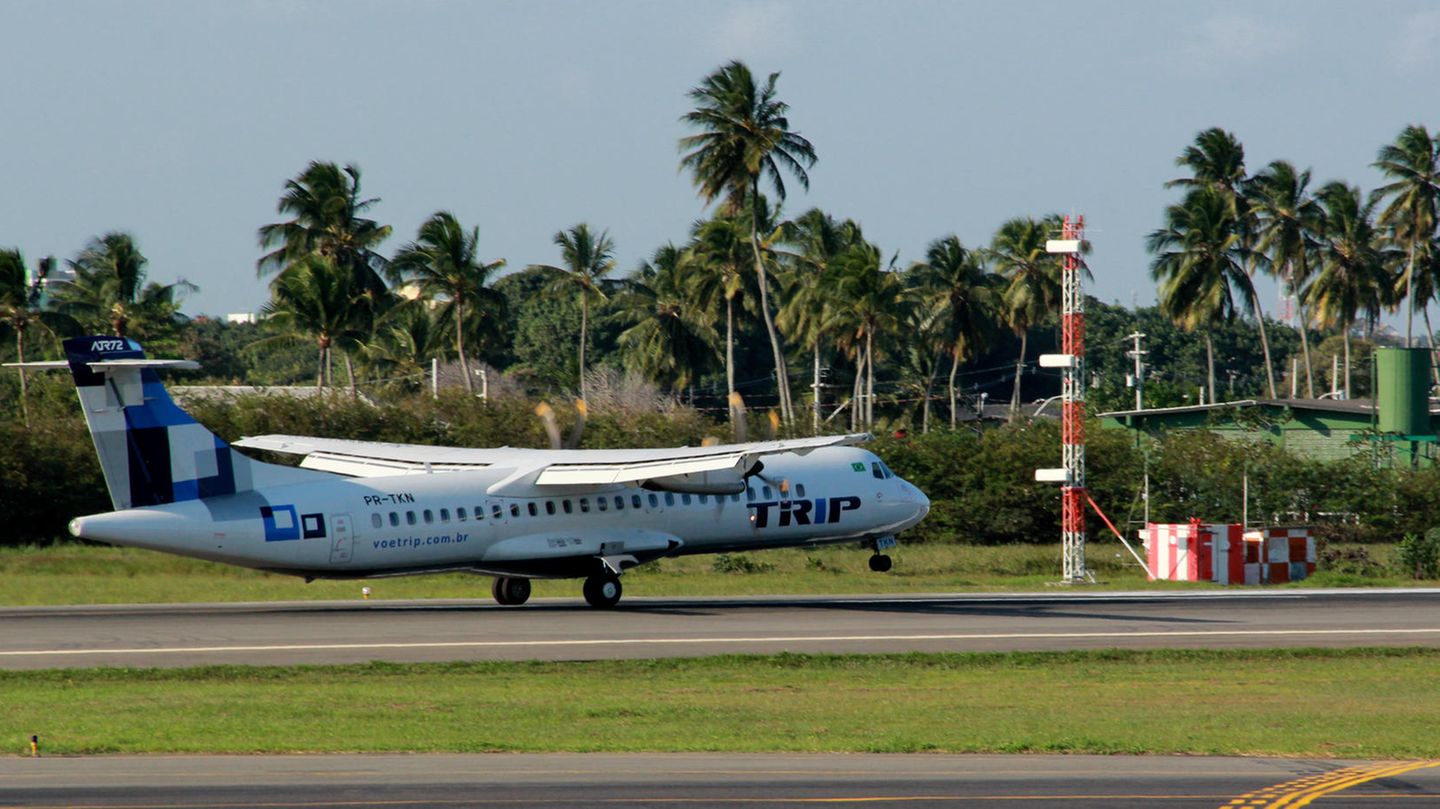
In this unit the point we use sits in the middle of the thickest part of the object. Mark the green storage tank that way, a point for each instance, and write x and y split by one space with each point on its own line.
1402 390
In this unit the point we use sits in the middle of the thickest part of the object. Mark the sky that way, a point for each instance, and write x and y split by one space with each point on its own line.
180 121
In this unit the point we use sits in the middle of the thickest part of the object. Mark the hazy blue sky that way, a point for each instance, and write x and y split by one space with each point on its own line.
180 121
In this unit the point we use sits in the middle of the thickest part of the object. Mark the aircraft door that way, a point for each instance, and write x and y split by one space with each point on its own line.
341 539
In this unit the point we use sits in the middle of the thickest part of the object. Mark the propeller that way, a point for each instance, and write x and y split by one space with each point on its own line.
774 422
582 412
552 429
737 417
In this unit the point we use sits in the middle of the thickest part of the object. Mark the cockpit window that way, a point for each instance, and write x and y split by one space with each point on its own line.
875 470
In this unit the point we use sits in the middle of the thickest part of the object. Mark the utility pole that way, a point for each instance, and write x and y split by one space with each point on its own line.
1138 380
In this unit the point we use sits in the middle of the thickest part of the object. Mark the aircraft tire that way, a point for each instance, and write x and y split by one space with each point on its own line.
603 590
880 563
511 591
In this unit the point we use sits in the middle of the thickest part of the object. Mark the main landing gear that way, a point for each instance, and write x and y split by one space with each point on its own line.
511 591
603 590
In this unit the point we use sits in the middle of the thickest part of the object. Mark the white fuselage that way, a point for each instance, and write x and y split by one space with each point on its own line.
357 527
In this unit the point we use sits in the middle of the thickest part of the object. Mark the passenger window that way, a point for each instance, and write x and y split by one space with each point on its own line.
549 506
496 512
704 499
800 489
735 498
569 508
584 505
429 516
479 512
514 509
460 514
635 501
767 491
376 521
444 515
654 501
619 503
602 504
749 492
394 518
669 499
533 509
684 499
409 518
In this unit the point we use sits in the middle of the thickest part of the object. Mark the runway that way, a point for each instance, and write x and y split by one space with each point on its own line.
693 780
562 629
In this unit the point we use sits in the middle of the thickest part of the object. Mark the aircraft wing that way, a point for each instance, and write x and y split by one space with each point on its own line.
716 469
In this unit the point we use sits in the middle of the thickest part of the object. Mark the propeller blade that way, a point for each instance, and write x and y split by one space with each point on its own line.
582 412
547 417
737 418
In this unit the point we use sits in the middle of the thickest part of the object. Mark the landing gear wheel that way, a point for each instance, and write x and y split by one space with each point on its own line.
511 591
603 590
880 563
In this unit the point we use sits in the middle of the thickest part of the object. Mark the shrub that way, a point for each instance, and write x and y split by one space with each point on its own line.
1420 554
739 563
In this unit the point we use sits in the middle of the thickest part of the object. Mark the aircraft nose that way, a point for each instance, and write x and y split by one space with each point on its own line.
912 494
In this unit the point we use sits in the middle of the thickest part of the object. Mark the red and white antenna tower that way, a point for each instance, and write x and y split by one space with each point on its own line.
1071 476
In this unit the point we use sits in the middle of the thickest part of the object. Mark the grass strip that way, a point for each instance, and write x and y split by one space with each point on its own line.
81 574
1354 703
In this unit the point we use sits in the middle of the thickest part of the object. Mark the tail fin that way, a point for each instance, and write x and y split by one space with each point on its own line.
151 451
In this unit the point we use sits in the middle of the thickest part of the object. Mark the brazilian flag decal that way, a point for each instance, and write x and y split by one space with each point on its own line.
858 466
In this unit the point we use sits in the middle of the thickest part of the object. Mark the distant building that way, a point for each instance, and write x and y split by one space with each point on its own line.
240 318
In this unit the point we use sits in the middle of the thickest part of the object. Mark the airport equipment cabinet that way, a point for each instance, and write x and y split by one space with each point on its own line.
1224 553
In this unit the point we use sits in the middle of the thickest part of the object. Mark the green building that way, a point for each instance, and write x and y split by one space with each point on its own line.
1400 426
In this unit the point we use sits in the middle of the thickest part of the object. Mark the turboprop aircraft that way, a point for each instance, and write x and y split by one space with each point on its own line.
358 509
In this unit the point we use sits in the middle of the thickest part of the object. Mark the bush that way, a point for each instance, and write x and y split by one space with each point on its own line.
1420 554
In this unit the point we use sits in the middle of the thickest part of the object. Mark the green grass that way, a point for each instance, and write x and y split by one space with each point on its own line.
81 574
1369 703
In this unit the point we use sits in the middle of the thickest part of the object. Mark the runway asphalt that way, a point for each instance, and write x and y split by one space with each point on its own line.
337 632
692 780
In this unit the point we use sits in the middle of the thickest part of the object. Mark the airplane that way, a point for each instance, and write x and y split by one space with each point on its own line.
360 509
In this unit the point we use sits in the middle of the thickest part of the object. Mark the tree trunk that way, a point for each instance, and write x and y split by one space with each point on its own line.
730 361
584 337
24 386
869 380
1430 343
954 369
320 365
350 375
1347 361
1409 295
782 379
1210 366
815 407
1264 340
1304 330
857 393
1019 369
460 346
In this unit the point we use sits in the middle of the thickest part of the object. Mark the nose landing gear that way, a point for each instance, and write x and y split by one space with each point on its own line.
880 562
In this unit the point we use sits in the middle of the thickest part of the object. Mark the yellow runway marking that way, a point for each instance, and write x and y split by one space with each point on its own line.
1303 791
593 642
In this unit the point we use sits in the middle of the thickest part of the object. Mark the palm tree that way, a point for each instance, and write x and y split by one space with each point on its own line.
1217 160
808 311
1413 163
313 298
406 338
745 135
668 338
717 256
1354 275
587 259
968 298
1200 262
872 301
1289 220
109 290
1017 252
327 219
20 310
443 262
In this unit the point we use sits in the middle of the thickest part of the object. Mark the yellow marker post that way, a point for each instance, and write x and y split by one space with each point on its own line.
34 746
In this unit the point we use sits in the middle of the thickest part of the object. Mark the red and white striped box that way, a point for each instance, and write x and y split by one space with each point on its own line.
1280 554
1195 551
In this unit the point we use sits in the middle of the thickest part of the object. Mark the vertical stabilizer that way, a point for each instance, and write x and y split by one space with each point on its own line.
151 451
